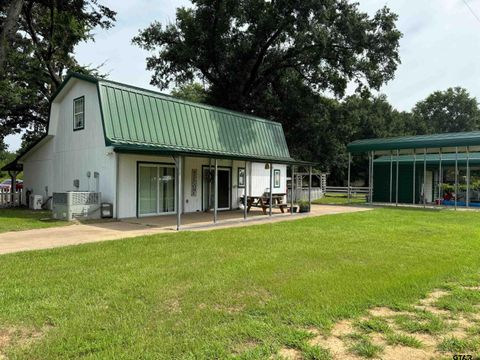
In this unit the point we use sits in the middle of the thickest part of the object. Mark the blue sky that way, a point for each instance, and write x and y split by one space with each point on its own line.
440 47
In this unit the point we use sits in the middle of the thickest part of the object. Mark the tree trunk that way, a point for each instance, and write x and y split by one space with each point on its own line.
8 29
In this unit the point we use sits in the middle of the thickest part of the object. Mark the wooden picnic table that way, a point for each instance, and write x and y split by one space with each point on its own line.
264 202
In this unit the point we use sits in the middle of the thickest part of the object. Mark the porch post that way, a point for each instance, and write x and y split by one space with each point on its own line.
215 195
271 190
456 176
13 186
396 179
293 188
245 196
179 185
209 189
348 181
391 176
310 188
467 198
424 177
414 175
371 187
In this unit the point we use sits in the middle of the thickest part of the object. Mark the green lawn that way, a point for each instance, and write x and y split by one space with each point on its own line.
242 292
340 199
24 219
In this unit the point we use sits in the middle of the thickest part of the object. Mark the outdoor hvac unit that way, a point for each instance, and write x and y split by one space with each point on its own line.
35 202
76 204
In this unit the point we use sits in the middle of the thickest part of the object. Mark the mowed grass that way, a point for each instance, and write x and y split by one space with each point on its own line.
340 199
239 293
17 219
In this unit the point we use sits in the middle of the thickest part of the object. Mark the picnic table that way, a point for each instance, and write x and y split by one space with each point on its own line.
263 202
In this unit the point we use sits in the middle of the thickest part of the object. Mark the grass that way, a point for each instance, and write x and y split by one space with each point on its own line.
339 199
23 219
456 345
375 324
460 300
404 340
422 322
363 346
230 293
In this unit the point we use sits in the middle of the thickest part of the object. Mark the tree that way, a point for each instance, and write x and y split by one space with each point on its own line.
453 110
242 48
192 92
46 33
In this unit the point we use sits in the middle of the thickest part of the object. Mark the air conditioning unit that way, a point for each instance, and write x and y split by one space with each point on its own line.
76 204
35 202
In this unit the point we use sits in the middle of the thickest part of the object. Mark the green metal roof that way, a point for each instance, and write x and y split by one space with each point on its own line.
141 120
416 142
432 159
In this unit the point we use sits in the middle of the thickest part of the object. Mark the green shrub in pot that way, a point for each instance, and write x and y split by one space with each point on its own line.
303 206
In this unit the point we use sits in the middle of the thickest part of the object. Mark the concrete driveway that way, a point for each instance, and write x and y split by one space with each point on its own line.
93 232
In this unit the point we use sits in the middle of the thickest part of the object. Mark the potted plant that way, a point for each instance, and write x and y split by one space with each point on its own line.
303 206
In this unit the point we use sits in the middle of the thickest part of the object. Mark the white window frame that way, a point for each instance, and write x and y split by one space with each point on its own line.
75 113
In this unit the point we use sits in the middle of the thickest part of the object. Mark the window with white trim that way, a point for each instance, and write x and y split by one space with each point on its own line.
79 113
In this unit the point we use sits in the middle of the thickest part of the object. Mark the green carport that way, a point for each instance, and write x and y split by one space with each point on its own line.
427 169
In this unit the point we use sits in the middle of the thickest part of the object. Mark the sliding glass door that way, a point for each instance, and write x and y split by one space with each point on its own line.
156 189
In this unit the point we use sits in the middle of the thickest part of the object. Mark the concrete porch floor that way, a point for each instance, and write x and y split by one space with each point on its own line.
82 233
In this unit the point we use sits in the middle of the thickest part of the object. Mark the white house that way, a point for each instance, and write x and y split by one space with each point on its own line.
151 154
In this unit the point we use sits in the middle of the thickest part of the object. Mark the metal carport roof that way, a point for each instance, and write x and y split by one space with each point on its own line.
447 140
432 159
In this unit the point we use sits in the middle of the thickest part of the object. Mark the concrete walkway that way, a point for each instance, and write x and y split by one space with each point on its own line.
93 232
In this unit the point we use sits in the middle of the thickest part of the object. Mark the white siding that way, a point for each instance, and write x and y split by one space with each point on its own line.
127 187
260 179
69 155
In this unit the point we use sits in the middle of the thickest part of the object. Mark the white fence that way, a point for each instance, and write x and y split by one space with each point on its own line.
354 190
10 199
302 194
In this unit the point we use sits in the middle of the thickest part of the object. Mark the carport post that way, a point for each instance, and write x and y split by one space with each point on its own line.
414 174
178 164
467 198
396 180
293 188
424 176
215 195
348 181
440 176
370 172
309 188
391 175
456 176
245 196
271 190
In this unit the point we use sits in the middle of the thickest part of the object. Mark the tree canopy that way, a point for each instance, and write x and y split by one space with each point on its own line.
241 49
37 41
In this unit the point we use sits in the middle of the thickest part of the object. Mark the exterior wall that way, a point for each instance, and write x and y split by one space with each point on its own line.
381 183
69 155
258 181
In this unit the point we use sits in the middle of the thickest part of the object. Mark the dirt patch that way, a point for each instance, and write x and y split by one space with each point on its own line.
244 346
19 336
290 354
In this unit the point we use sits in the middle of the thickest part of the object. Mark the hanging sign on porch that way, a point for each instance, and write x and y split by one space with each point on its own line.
194 182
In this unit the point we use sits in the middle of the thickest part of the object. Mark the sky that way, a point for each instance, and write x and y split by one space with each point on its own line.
440 47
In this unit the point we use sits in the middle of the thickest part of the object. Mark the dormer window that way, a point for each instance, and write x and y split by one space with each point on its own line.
79 113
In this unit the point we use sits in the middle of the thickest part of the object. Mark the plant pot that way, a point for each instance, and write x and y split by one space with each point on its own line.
304 208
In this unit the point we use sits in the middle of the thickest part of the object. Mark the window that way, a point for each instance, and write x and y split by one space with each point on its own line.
79 113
